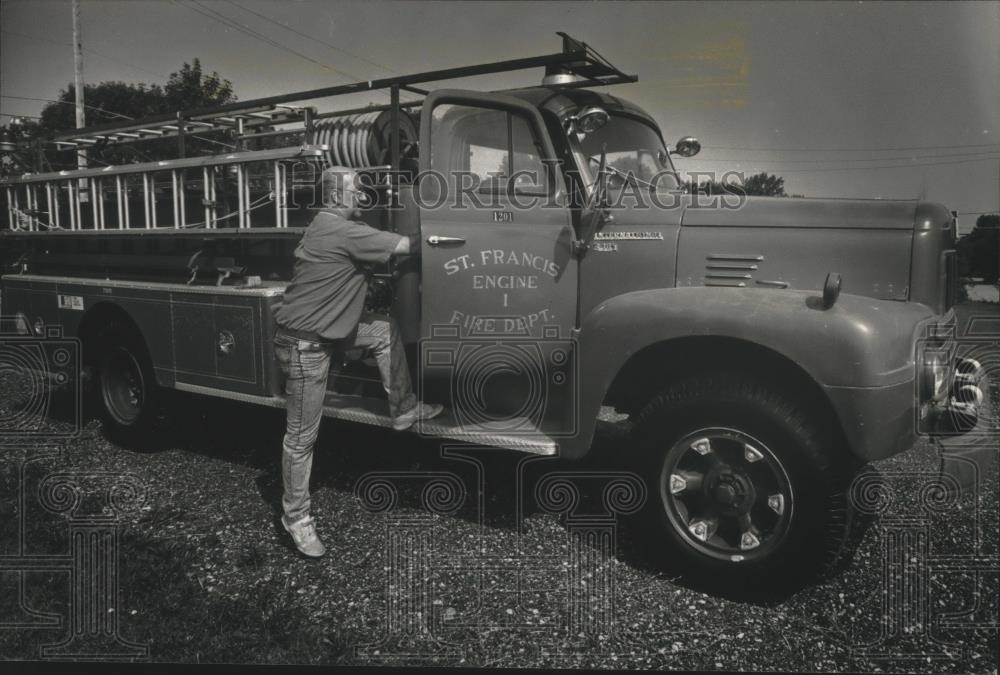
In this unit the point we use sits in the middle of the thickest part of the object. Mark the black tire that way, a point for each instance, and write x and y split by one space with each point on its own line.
770 468
128 397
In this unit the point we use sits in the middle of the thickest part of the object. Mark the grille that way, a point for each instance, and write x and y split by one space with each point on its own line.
950 279
731 269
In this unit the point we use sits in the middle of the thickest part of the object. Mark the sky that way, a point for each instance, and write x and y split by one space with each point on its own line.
842 99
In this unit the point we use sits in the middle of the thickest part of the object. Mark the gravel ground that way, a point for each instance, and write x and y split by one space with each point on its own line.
488 576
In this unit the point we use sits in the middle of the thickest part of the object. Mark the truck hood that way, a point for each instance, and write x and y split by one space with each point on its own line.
807 213
794 243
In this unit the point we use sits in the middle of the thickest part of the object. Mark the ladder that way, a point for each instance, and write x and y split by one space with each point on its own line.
244 122
131 197
54 202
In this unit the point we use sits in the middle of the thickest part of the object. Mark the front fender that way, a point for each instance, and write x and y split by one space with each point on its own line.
860 342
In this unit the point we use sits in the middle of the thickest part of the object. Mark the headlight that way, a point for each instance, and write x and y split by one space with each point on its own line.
935 375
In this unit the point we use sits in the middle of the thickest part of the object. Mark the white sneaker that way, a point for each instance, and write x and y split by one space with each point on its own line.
421 411
304 535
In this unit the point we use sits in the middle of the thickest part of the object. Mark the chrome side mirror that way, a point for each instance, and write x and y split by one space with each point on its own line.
687 147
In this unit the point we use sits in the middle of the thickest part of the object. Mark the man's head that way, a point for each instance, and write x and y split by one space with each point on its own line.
341 191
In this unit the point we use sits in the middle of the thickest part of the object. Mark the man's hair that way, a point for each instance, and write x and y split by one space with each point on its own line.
332 182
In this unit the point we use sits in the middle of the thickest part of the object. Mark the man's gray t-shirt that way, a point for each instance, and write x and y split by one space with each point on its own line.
328 288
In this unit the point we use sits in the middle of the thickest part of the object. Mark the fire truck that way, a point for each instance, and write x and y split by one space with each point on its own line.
763 350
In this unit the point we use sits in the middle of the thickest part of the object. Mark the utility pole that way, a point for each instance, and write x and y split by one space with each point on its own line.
81 154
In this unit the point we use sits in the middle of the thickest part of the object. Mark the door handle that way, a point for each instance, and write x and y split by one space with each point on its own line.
435 240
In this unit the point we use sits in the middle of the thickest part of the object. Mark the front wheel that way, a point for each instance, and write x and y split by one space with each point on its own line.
747 490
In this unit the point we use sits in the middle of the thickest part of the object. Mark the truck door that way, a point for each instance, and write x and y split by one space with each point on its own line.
498 276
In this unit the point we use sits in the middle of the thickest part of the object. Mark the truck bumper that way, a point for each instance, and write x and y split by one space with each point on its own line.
878 422
963 466
884 421
965 442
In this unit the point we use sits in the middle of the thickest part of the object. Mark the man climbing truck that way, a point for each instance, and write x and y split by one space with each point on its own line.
762 351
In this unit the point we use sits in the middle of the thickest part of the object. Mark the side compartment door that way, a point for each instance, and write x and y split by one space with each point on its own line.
498 273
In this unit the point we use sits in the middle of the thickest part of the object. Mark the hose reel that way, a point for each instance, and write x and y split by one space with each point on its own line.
365 139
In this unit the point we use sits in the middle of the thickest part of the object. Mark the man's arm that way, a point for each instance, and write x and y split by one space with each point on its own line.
409 244
366 244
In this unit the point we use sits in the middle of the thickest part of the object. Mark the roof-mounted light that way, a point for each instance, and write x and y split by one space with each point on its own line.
588 120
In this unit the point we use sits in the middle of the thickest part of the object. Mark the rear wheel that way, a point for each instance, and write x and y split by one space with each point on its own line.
747 490
126 386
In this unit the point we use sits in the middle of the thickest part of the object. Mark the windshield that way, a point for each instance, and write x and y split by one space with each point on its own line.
632 146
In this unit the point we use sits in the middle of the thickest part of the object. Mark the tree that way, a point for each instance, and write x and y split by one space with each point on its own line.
979 250
107 102
709 187
111 102
19 132
760 184
765 185
190 88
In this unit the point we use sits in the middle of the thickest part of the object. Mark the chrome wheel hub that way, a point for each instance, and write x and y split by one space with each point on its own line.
730 489
726 493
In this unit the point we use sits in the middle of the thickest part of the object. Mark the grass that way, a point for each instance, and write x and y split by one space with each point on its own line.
167 607
207 575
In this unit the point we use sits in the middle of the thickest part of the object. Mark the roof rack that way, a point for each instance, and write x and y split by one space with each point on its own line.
576 65
43 203
245 118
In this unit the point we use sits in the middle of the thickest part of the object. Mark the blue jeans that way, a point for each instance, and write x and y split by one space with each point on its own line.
306 366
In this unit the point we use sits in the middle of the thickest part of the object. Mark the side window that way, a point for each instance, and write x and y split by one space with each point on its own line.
483 151
497 151
527 169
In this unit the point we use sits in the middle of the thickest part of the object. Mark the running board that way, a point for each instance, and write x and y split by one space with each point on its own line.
521 434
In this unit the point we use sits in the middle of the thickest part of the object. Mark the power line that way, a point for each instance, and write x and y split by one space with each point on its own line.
86 49
52 100
310 37
243 28
842 149
223 19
